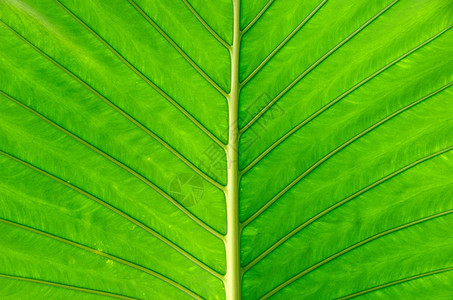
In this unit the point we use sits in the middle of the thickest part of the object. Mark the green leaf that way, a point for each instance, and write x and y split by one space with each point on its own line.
155 149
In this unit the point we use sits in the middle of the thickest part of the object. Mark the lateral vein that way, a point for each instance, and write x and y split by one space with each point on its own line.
119 164
336 150
403 280
105 255
257 17
206 25
295 81
355 246
145 78
177 48
119 212
120 111
282 44
340 203
337 99
66 286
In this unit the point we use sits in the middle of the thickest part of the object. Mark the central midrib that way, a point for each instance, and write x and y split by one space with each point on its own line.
233 275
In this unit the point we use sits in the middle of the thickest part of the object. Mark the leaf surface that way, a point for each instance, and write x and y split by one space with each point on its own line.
226 149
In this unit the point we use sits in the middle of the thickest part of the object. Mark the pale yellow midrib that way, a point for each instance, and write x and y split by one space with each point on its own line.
233 275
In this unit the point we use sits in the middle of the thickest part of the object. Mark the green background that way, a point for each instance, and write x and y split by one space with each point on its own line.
346 122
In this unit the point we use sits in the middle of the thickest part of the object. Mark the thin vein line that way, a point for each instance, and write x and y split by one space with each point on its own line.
282 44
340 97
144 77
119 212
65 286
119 110
105 255
295 81
206 25
336 150
119 164
344 251
338 204
257 17
403 280
177 48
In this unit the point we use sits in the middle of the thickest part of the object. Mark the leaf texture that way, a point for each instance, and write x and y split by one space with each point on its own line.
230 149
